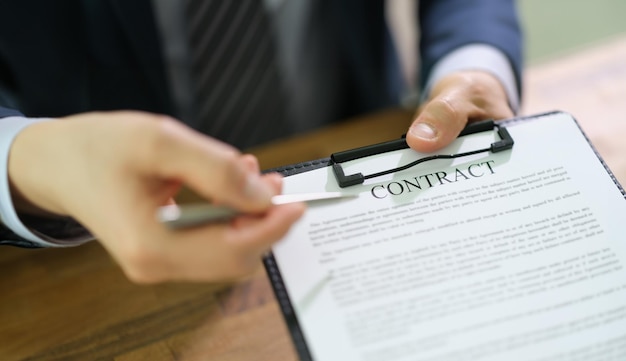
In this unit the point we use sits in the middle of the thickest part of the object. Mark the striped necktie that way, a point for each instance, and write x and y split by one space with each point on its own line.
238 94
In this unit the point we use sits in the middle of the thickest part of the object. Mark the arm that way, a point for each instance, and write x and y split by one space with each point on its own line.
29 229
471 66
111 172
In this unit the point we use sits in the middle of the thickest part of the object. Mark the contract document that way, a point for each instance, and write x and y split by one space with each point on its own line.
515 255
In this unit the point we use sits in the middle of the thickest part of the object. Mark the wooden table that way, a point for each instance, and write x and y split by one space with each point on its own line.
75 304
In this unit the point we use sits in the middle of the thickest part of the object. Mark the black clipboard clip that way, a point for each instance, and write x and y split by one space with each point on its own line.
505 142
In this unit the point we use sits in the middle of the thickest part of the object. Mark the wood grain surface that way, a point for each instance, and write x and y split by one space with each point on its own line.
75 303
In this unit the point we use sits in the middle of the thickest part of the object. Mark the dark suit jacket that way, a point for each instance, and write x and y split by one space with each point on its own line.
69 56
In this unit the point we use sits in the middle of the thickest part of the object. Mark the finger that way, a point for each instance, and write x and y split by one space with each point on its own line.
229 250
439 123
213 169
251 163
457 99
275 180
169 190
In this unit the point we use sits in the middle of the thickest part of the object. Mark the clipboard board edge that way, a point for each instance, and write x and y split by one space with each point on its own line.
289 315
293 169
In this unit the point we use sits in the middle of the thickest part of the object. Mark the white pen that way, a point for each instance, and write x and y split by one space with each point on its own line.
189 215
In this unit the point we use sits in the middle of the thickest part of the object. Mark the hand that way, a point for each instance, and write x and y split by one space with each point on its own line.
454 101
111 171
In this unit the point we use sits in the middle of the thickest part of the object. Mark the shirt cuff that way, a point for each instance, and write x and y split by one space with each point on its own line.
477 57
66 231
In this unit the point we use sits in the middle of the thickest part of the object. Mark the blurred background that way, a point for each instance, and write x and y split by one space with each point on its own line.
559 27
576 62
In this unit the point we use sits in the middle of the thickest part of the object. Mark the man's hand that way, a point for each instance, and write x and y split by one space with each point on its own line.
454 101
111 172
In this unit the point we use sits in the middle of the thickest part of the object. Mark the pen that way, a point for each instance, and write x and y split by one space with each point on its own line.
189 215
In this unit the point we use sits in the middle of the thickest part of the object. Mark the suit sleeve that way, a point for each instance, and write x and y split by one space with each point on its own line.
449 25
26 230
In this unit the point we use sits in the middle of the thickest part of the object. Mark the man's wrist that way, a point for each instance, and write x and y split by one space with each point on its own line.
480 57
32 228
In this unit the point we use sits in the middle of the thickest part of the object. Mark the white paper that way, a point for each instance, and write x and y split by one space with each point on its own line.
517 255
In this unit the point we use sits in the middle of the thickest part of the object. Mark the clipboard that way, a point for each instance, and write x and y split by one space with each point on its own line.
504 142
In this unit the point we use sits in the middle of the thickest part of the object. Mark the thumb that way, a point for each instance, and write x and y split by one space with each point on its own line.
437 125
458 98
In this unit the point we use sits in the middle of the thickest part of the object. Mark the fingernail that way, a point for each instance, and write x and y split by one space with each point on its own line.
423 130
258 190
